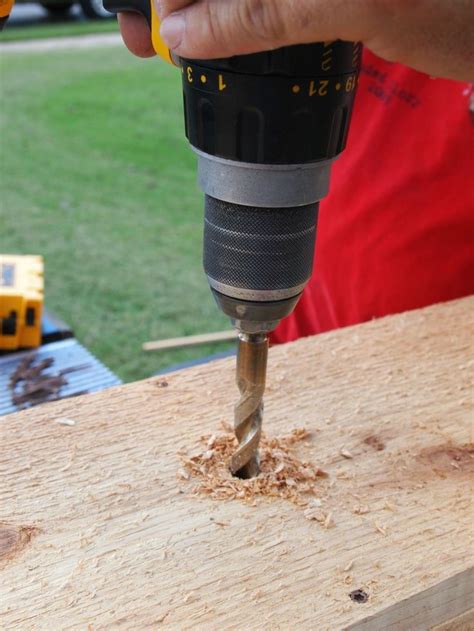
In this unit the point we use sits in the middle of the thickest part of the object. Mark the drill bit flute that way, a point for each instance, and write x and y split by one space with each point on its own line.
251 371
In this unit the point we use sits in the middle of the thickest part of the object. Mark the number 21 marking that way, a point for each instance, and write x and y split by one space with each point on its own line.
320 90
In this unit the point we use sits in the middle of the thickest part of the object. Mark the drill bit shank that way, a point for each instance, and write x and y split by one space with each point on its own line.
251 372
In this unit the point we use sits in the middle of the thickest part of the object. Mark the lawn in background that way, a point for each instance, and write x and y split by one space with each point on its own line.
61 29
98 178
70 23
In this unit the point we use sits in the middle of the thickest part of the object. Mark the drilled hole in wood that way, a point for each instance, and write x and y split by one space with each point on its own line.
359 596
243 474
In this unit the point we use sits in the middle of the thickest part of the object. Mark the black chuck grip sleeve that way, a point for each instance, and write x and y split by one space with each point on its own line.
259 248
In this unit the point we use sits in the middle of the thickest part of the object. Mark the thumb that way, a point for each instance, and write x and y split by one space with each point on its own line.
222 28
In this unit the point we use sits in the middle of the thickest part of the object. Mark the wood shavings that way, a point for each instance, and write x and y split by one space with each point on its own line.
343 475
212 441
283 474
227 427
328 522
345 453
380 528
389 506
361 510
30 383
66 421
325 519
349 566
161 618
314 515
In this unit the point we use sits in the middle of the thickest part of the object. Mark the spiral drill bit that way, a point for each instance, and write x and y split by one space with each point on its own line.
251 371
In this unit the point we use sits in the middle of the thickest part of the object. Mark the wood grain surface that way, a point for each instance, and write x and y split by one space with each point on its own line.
98 532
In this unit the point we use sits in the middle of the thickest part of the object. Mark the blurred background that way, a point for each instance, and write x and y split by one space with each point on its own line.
30 20
97 177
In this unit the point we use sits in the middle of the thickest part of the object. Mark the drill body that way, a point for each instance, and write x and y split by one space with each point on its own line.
266 128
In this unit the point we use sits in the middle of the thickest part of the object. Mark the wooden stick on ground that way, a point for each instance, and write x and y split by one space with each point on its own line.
103 526
190 340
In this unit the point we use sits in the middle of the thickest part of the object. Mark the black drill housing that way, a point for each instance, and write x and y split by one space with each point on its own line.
290 106
287 106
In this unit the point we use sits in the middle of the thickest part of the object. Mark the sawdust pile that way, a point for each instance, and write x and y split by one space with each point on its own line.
283 474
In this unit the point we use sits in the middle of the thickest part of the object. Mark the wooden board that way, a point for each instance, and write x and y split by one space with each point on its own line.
190 340
97 532
464 622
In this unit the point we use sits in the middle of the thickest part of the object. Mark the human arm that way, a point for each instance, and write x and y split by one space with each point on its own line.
433 36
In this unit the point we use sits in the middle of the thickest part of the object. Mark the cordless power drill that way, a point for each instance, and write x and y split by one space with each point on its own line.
266 128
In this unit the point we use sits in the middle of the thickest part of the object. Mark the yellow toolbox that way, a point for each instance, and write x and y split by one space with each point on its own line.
21 301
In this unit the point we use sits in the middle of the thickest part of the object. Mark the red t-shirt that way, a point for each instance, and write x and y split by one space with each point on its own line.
396 231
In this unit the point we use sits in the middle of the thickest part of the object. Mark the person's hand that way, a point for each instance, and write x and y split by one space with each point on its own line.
434 36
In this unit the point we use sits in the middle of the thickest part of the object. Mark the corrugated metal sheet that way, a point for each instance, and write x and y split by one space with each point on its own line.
66 354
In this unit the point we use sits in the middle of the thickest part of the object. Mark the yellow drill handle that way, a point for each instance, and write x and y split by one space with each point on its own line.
5 10
160 47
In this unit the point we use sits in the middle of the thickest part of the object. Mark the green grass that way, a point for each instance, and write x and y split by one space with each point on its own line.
98 178
57 29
